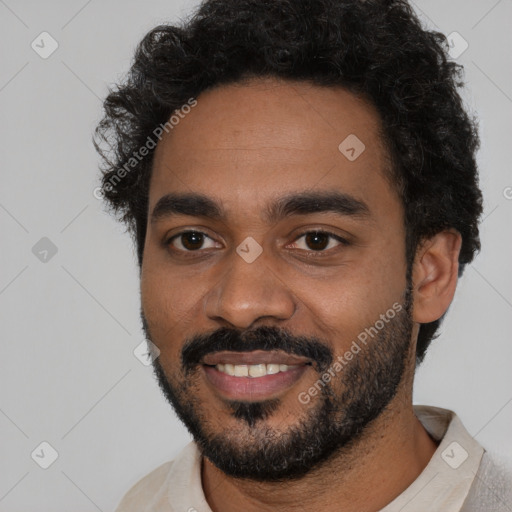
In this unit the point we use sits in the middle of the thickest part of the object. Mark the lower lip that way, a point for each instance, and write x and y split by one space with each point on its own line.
253 388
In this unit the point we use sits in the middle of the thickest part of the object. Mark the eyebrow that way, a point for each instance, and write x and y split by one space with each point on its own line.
302 203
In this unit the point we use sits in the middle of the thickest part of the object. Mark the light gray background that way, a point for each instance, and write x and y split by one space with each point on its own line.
69 326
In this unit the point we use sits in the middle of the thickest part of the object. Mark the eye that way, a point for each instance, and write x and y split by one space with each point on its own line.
190 241
319 241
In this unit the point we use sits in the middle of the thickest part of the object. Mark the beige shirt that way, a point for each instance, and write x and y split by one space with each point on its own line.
443 485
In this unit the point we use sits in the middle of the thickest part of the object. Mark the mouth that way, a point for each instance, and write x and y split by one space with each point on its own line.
253 376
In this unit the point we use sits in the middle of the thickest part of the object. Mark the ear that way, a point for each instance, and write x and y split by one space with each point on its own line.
434 275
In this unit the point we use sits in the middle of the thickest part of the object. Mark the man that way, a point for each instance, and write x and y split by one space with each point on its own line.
300 181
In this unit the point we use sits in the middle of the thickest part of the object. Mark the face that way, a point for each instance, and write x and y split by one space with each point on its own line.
274 276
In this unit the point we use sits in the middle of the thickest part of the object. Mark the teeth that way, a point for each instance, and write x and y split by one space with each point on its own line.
272 368
241 370
253 370
258 370
228 368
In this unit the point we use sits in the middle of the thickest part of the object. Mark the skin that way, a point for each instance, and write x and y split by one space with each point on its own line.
245 145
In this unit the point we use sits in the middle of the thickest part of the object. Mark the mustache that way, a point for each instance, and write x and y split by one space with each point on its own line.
263 338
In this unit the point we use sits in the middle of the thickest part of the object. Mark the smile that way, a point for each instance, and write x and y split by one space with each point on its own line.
253 370
252 376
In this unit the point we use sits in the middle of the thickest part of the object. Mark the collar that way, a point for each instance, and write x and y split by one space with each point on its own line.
443 484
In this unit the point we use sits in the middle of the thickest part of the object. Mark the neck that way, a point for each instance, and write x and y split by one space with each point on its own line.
364 476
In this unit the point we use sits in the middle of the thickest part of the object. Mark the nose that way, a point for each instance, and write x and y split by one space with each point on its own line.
248 293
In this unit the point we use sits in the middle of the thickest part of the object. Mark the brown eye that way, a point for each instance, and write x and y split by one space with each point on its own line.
317 241
189 241
192 240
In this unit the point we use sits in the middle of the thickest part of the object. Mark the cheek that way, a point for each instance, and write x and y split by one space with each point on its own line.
172 305
354 297
159 306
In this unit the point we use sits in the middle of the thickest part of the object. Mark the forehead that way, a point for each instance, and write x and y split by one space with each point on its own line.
246 142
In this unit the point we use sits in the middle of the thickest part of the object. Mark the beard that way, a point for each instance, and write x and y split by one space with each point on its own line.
343 409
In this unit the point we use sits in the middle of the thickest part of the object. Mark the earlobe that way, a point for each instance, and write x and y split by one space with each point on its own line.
434 276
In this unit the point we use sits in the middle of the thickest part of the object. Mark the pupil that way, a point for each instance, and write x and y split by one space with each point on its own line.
192 240
317 241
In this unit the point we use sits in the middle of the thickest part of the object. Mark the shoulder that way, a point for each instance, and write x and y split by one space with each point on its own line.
147 488
162 486
492 487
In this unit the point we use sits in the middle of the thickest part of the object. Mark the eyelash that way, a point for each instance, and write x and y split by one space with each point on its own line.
311 253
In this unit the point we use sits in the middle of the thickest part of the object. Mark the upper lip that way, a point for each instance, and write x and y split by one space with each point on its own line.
254 357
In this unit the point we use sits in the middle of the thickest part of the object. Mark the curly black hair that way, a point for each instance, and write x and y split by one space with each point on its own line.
374 48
